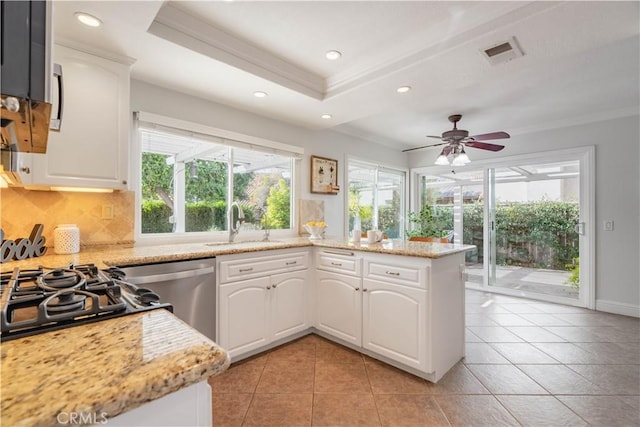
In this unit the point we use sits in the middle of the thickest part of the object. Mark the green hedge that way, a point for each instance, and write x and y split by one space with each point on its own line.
199 216
536 234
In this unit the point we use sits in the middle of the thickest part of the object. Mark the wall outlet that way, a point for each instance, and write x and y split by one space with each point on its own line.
608 225
107 212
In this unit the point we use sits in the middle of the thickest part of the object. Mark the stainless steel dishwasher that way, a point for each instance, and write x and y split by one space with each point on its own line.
190 286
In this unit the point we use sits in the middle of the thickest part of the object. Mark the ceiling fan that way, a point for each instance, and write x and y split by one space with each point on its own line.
457 139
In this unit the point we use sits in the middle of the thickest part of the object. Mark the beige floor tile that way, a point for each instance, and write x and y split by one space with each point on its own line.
544 319
459 380
506 379
566 352
633 401
494 334
509 319
575 333
475 411
239 378
610 411
341 409
522 309
613 379
614 352
327 351
409 410
279 410
479 319
482 353
558 379
230 409
471 337
534 334
282 377
521 352
540 411
341 378
386 379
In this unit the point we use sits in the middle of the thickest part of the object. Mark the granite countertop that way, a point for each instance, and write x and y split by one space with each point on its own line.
108 367
185 251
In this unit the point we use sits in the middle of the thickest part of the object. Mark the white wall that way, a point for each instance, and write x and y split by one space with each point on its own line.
154 99
617 145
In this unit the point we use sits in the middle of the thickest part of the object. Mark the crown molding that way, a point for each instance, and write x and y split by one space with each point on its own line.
347 81
123 59
176 26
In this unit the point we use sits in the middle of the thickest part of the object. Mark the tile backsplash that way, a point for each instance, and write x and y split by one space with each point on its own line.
20 209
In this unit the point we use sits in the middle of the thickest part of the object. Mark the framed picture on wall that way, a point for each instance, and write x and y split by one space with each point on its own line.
324 175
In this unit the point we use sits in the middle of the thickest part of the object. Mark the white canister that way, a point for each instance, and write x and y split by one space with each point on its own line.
66 239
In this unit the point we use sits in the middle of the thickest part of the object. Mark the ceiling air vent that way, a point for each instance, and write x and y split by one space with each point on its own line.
503 51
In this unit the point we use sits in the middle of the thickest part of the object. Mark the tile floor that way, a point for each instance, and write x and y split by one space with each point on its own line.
527 363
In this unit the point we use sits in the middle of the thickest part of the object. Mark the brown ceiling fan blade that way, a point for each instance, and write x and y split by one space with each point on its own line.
484 145
424 146
492 135
433 136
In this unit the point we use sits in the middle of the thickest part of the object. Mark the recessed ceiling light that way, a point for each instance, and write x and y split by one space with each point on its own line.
332 55
403 89
88 20
326 116
259 94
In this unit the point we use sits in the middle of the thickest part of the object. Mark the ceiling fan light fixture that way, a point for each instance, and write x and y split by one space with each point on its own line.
442 159
463 158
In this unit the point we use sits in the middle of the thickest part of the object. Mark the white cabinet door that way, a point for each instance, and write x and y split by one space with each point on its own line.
339 306
394 322
288 304
244 315
91 148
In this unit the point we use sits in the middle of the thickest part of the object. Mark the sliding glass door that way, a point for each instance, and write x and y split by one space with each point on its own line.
529 220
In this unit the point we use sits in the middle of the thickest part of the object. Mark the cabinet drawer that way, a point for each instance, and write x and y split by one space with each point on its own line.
246 268
345 264
409 275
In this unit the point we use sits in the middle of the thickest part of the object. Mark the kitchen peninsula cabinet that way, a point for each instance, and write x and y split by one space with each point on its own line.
406 311
263 300
91 148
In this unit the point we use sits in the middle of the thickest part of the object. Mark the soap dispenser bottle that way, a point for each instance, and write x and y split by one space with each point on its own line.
357 230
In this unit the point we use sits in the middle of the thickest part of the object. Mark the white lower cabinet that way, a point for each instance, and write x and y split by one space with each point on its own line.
258 311
394 322
339 306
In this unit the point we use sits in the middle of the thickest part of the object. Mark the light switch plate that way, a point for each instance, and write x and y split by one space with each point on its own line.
107 212
608 225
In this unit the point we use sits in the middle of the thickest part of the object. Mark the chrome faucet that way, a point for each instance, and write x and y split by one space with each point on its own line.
233 230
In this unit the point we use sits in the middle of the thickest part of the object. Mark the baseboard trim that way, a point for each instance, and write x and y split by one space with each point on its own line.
618 308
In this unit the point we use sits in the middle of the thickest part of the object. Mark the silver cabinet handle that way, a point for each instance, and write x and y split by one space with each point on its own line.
339 264
244 270
291 263
391 273
56 122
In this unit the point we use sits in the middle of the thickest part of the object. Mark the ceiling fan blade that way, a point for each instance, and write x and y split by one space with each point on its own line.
433 136
424 146
484 145
492 135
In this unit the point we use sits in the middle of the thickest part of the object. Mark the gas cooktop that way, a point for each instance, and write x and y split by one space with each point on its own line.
44 299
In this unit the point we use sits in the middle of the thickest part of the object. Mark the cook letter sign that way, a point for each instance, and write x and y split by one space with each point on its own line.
23 248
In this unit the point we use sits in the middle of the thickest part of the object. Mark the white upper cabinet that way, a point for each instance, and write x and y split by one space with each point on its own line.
91 148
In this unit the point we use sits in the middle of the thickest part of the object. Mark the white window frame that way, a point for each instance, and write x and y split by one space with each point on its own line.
231 139
384 167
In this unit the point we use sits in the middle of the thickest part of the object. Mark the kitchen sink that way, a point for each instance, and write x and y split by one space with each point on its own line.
257 243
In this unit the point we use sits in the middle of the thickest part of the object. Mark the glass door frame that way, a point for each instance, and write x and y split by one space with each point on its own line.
586 157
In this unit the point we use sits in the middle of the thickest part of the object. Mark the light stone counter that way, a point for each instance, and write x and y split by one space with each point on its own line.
109 367
185 251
